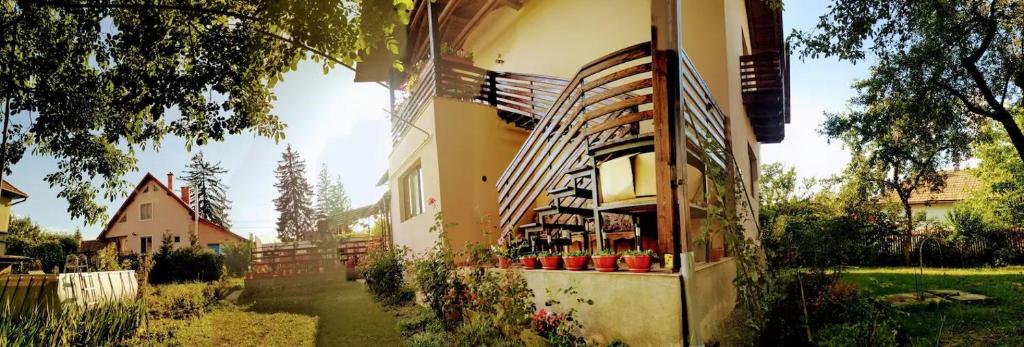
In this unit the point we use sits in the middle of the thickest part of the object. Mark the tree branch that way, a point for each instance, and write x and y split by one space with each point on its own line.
310 49
966 100
141 7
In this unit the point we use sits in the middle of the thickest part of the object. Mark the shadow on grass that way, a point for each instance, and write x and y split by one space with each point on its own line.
347 316
1000 321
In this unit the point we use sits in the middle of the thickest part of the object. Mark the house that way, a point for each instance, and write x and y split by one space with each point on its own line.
9 196
936 205
154 209
584 124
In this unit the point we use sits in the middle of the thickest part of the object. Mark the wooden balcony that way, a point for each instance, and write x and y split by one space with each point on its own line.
765 93
521 99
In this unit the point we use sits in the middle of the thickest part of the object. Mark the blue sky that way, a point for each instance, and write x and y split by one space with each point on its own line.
334 121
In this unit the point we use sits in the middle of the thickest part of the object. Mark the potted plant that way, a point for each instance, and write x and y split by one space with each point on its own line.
606 261
505 254
549 260
638 261
576 260
529 261
717 253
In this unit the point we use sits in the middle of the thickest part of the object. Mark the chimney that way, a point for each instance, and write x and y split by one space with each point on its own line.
170 181
184 195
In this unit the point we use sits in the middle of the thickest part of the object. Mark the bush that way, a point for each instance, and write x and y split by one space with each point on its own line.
101 325
185 265
383 269
179 301
236 257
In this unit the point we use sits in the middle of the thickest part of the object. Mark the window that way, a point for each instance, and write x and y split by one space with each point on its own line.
145 189
752 158
215 247
146 211
412 192
177 239
124 218
146 244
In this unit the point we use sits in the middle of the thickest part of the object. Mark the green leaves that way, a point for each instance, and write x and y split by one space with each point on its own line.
103 79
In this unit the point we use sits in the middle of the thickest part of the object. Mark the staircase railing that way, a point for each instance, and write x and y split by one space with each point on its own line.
604 88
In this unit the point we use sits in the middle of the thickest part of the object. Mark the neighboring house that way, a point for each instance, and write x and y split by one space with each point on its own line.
9 196
936 205
582 124
152 210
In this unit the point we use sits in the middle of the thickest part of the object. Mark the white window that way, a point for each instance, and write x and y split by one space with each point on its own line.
412 192
146 211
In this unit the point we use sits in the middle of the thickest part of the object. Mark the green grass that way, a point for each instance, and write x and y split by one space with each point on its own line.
313 311
1000 322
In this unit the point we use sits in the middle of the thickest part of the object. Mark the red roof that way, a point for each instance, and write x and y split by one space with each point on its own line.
138 188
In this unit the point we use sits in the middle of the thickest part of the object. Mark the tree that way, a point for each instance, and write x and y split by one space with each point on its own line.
963 58
296 217
901 141
1001 194
331 203
207 190
92 82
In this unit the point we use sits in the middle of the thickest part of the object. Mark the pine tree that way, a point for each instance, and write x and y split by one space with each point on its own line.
296 217
331 204
207 190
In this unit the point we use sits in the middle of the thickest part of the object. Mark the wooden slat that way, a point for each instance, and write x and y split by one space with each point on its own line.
618 106
622 120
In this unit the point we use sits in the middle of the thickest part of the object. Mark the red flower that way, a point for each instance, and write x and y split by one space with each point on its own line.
431 201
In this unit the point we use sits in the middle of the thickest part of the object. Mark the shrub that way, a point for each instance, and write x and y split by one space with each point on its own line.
236 257
179 301
101 325
383 269
184 265
106 259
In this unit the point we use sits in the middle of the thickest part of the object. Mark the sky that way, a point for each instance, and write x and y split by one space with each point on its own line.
342 124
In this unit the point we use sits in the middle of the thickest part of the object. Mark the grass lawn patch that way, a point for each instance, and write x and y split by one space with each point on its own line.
998 322
230 325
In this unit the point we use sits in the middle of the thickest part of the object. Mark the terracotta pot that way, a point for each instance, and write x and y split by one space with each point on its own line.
551 262
576 263
717 253
504 263
638 263
606 263
529 262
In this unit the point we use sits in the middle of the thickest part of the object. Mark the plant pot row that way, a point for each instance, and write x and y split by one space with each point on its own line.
602 263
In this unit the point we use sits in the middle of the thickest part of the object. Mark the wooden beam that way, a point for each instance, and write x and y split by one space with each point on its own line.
665 47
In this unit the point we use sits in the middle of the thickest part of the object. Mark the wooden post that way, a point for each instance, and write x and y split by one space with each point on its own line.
434 38
665 47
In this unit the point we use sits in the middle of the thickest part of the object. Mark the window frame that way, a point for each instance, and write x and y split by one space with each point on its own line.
411 188
143 242
142 209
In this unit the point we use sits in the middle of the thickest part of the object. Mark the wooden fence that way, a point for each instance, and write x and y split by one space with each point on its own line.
291 259
938 249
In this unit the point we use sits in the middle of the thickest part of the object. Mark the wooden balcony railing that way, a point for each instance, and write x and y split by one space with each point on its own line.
763 81
521 99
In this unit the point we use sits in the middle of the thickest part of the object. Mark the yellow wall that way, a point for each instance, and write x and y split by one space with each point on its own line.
934 212
168 217
467 143
637 309
5 213
557 37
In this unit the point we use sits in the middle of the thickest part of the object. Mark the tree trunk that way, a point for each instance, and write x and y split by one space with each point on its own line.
908 241
1016 136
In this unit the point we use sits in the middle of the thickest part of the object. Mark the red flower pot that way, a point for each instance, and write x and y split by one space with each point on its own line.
576 263
606 263
504 263
529 263
551 262
638 263
717 253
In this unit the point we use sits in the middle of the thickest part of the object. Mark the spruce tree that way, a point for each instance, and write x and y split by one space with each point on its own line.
207 190
331 204
296 215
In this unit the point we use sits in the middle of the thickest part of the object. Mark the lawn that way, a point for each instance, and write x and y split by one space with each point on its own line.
318 311
999 322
